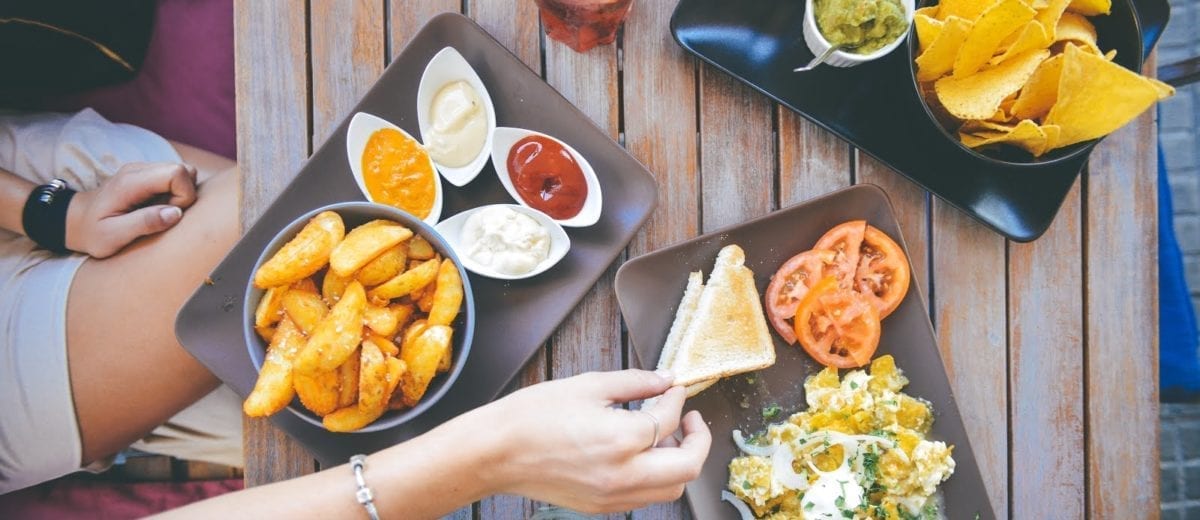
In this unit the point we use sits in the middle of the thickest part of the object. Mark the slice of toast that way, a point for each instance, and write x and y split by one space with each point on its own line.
683 318
727 333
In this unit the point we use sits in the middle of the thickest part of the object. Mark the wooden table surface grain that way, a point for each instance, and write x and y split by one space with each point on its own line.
1051 346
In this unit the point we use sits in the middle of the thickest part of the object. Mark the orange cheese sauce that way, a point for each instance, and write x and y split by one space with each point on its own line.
397 172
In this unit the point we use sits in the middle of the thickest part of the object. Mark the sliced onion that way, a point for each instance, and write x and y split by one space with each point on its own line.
737 504
750 449
783 472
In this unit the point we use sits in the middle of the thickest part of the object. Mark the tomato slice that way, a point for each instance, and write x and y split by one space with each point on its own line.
845 240
837 327
789 285
883 274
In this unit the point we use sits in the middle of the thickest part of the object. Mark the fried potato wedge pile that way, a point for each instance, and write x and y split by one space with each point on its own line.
356 323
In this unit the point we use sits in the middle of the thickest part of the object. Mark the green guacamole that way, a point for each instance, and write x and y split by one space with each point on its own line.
869 24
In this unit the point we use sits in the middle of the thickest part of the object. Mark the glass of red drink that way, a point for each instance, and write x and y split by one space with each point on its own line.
583 24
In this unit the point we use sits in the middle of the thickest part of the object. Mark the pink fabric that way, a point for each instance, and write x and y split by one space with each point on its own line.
185 89
73 497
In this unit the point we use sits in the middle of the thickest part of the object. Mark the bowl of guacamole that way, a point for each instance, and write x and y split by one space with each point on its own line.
866 29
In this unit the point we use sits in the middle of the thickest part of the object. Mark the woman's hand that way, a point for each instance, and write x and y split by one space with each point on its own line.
141 199
565 443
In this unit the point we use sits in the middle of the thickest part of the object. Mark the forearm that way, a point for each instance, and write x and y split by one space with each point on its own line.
13 193
426 477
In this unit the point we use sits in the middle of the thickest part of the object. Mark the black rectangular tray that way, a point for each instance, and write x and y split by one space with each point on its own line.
876 106
649 288
514 318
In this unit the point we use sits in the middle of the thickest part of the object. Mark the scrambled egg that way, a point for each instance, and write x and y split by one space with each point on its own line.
858 452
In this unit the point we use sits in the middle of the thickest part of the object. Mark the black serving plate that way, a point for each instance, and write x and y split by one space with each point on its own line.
876 106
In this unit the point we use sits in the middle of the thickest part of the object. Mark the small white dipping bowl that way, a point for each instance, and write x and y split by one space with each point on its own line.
503 141
818 44
451 230
448 66
361 128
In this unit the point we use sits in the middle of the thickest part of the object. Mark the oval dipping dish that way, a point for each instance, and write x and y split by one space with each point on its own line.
361 128
503 140
446 67
451 230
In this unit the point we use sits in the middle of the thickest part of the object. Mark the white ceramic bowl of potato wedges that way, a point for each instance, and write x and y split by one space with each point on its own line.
328 287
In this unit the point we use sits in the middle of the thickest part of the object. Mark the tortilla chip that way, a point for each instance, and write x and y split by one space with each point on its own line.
1110 55
1090 7
1032 36
1040 92
1026 134
1049 16
1078 30
992 27
1097 96
938 59
1053 133
930 11
965 9
979 95
928 30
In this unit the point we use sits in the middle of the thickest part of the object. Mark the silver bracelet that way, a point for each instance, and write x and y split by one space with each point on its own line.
363 494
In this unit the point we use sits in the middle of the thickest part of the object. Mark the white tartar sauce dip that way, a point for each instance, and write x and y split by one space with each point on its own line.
505 240
458 128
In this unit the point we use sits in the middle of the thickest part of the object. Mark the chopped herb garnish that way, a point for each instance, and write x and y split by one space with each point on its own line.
853 385
746 484
808 506
771 411
870 463
840 501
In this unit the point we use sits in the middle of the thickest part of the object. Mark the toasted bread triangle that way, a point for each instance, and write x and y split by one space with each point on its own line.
726 334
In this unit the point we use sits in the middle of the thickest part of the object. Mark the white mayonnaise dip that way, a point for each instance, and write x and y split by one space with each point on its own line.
832 493
505 240
458 127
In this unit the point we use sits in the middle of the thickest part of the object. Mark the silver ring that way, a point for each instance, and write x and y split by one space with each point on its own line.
654 439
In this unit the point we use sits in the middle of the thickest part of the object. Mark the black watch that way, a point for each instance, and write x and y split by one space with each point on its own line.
45 215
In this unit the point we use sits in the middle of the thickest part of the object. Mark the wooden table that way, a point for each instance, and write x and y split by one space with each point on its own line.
1052 346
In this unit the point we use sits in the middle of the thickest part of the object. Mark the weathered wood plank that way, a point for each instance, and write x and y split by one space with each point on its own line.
659 95
515 25
737 151
969 310
272 134
1045 326
406 17
912 210
590 338
1121 236
812 162
347 40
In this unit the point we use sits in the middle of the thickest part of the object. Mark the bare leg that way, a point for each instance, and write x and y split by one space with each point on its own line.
128 372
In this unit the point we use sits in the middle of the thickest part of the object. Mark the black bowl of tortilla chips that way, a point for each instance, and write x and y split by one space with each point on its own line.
1025 82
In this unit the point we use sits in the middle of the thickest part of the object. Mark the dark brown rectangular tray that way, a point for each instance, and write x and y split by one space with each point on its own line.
649 289
514 318
876 107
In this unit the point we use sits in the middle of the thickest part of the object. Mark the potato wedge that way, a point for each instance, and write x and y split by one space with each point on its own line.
384 321
306 285
404 311
348 380
408 281
372 372
425 302
448 296
266 333
387 346
303 255
319 392
422 358
446 362
365 243
332 287
351 418
267 313
273 390
413 332
306 309
420 249
384 267
338 334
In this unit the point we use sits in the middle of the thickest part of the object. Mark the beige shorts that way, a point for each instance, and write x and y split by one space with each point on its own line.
39 436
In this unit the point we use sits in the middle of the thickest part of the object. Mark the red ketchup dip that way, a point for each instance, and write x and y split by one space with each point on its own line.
547 177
